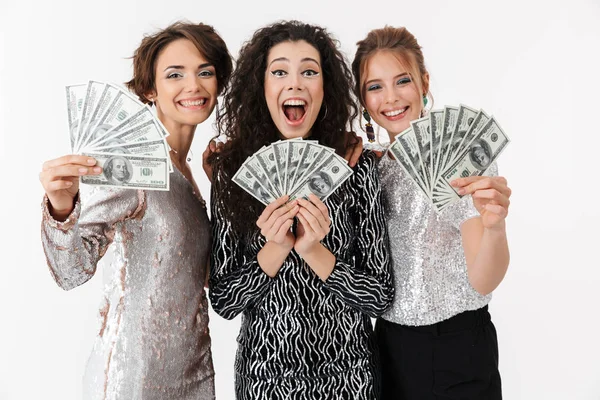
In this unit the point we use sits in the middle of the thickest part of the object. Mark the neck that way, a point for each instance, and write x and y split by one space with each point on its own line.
179 139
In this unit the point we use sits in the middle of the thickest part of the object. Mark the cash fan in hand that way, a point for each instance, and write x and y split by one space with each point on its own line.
447 144
295 167
110 124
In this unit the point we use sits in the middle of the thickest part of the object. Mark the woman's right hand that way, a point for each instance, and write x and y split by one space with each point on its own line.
276 220
60 179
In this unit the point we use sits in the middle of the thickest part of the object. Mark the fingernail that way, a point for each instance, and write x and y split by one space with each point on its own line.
97 169
91 161
461 191
69 183
82 170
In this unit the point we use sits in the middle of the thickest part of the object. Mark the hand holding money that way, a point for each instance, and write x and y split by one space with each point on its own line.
491 197
314 224
276 220
60 179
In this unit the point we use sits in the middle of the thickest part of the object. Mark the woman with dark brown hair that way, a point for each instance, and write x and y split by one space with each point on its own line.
153 342
307 274
437 341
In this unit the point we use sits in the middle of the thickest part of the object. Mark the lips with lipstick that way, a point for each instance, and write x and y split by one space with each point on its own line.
294 110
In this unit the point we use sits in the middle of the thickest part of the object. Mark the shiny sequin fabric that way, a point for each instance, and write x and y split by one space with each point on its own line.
153 340
430 272
302 338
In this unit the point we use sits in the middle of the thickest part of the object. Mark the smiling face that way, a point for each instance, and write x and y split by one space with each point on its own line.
186 85
391 96
294 87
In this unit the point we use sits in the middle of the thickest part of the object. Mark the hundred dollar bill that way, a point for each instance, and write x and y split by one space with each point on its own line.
483 150
408 141
93 92
266 159
295 152
128 171
247 181
467 119
122 107
422 132
449 124
75 99
324 179
435 121
255 167
106 97
405 162
280 150
154 148
313 156
145 132
106 132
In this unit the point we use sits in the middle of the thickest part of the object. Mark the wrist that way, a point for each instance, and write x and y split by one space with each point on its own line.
312 249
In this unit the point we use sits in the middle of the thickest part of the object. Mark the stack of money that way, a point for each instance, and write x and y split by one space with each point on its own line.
109 123
294 167
455 142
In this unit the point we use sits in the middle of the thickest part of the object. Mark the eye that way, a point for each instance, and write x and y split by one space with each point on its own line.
174 75
278 73
403 81
374 87
310 72
205 73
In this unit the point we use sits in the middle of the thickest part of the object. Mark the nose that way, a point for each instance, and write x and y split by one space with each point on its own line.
390 96
193 83
295 82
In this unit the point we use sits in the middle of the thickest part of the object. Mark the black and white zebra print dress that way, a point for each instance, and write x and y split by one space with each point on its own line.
300 337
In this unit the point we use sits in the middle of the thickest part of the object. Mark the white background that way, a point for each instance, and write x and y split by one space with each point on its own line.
535 66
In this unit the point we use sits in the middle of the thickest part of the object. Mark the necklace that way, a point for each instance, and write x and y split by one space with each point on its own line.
189 157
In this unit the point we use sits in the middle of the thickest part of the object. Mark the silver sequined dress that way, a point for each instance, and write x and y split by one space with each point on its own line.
153 340
430 272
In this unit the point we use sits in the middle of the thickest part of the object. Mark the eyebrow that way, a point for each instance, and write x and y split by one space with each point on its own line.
205 65
396 77
303 60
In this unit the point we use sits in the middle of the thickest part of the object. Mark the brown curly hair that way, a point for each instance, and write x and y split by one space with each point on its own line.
247 123
204 37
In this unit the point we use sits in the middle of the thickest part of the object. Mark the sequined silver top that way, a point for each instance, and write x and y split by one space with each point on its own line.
153 340
430 271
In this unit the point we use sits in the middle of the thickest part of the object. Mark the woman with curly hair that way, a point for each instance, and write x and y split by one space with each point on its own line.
153 342
307 275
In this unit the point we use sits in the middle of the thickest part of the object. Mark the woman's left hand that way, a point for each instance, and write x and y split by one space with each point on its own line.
491 197
314 224
353 154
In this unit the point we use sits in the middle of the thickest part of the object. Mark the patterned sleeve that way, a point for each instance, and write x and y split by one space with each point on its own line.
74 247
363 278
236 281
463 210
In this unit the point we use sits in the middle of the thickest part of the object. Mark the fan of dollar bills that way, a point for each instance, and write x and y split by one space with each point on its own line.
295 167
108 123
447 144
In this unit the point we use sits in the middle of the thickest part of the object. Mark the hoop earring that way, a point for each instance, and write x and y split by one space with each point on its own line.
324 115
368 126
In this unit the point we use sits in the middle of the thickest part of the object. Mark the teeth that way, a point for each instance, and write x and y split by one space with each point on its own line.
294 103
395 112
189 103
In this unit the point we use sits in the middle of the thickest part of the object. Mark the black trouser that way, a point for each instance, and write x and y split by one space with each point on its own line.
453 359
